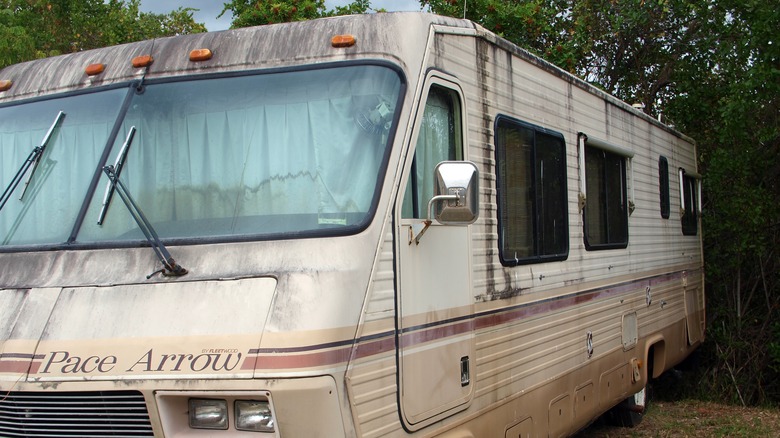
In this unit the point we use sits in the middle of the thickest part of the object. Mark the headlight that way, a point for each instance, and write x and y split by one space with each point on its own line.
254 416
208 414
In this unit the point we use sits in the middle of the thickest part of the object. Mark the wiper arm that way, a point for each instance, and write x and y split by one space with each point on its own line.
32 160
170 267
118 163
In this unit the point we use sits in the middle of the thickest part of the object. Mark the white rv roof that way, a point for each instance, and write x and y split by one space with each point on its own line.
399 36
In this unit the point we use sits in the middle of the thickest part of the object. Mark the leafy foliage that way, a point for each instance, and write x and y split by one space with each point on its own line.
542 26
729 99
259 12
32 29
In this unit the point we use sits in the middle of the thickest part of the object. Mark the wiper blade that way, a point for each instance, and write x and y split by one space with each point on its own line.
170 267
118 164
32 160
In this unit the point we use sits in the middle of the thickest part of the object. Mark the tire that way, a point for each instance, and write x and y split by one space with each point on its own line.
629 412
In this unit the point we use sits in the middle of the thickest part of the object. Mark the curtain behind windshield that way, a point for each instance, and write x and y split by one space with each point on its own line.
277 153
58 188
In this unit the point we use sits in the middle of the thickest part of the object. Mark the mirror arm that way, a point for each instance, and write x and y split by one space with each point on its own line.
438 198
417 230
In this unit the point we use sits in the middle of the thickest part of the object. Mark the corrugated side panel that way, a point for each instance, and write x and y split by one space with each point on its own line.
532 319
372 377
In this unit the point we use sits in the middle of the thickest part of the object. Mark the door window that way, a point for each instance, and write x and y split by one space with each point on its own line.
439 140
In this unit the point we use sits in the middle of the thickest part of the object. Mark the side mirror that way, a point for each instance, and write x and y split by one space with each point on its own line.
455 198
456 193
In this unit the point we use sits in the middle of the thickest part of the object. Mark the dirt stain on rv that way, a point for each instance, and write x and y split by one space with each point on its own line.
481 60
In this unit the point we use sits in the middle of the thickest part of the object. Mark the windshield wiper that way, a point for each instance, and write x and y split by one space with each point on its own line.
118 163
170 267
32 160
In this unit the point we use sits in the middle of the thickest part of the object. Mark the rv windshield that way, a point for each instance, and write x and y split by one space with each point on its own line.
284 153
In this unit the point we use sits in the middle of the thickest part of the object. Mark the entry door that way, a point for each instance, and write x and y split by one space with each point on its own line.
436 341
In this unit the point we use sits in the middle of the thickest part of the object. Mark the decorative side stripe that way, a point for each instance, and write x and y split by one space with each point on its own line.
19 366
340 352
21 356
385 342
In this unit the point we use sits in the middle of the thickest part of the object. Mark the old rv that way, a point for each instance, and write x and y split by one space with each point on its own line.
381 225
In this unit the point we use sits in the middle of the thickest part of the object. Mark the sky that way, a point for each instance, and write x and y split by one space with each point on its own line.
209 9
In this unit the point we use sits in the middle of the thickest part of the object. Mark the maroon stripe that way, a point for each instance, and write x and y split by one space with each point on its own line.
435 333
308 360
365 349
17 366
444 330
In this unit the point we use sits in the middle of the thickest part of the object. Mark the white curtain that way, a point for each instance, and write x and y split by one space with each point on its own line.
48 210
256 154
437 141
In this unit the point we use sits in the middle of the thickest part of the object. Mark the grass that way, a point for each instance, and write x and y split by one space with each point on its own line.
695 418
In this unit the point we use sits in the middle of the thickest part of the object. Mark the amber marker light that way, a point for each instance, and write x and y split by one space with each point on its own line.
200 55
342 41
95 69
142 61
5 85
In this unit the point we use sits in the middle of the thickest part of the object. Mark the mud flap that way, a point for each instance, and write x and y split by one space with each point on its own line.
693 316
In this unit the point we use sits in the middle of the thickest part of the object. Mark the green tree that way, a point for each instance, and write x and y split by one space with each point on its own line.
541 26
32 29
634 49
728 98
16 44
259 12
629 48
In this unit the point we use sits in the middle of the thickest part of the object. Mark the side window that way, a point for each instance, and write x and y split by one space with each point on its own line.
532 200
663 186
439 139
606 208
690 204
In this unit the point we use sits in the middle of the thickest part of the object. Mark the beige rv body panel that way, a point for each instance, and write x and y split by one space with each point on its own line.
368 334
533 375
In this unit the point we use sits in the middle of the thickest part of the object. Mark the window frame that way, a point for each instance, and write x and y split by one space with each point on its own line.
663 187
411 189
535 196
627 197
690 185
133 87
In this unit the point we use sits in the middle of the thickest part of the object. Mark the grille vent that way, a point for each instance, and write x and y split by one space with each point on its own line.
74 414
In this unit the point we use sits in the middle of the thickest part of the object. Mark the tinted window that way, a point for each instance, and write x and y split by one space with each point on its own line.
606 208
690 202
663 186
532 202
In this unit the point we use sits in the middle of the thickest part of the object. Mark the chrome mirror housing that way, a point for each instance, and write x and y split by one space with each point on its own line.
456 193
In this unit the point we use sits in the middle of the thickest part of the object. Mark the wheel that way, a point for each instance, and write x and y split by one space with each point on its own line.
629 412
